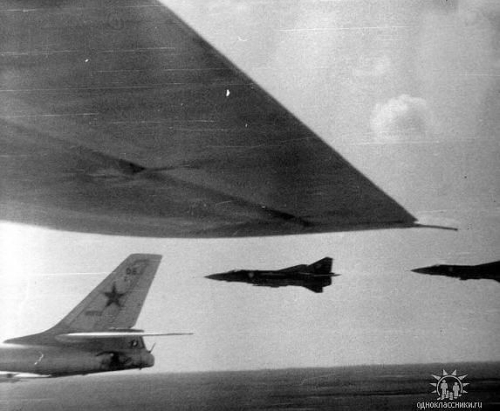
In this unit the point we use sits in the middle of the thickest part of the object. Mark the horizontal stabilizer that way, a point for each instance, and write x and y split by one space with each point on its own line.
16 376
77 337
314 288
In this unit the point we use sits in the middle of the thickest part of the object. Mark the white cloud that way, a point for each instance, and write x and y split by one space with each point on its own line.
401 118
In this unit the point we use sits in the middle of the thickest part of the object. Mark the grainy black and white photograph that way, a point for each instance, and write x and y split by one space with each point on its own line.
249 205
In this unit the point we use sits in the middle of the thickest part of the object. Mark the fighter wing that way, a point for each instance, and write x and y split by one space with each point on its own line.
493 266
295 268
118 118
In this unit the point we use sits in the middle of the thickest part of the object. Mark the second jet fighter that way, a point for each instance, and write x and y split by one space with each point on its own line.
313 277
488 271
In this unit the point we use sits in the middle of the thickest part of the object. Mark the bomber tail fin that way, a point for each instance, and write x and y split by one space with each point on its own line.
117 301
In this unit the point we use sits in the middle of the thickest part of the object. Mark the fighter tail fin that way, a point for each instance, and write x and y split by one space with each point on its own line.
117 301
323 266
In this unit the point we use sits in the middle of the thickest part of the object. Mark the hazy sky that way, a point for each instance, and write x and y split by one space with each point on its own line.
407 92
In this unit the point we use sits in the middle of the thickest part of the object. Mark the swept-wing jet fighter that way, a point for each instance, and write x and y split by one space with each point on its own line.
119 118
488 271
313 277
97 335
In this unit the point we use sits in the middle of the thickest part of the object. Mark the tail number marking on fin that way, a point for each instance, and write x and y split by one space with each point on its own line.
135 269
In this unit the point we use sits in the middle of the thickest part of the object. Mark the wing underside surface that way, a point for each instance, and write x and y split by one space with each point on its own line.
118 118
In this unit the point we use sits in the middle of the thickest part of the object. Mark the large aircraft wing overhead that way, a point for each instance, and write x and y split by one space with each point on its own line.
118 118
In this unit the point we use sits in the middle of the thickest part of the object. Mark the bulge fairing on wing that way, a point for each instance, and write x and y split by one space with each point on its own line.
97 335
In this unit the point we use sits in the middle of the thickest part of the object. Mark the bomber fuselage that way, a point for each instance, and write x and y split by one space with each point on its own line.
63 360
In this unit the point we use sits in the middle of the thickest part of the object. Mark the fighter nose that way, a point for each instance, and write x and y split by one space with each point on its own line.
215 276
423 270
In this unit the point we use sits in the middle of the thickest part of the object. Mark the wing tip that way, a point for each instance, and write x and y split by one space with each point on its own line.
437 227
